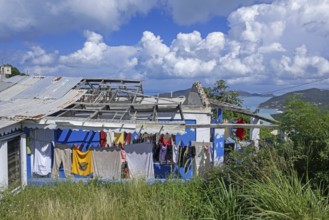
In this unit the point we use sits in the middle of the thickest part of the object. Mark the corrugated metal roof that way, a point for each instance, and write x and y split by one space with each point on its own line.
36 97
4 85
19 87
15 79
49 88
5 123
8 126
20 109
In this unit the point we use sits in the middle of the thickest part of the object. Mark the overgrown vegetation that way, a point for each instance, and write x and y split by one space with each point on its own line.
283 180
308 129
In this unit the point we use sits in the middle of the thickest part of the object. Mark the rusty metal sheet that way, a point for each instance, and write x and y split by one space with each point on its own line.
20 109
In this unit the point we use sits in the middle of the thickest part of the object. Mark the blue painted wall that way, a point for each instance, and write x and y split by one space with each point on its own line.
183 140
188 137
218 139
85 139
29 166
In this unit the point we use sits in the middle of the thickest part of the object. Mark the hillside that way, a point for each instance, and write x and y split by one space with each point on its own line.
319 97
248 94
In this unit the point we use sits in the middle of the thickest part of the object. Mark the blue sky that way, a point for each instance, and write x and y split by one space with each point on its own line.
257 46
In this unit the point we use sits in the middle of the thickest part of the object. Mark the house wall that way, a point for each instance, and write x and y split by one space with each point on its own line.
202 134
3 165
4 162
6 70
85 139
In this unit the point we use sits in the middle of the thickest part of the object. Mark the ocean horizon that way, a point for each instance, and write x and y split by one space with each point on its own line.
252 103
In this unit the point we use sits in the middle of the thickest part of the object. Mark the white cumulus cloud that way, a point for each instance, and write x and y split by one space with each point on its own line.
93 51
38 56
34 18
278 43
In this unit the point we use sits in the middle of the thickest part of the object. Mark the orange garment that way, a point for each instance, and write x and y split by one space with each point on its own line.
82 162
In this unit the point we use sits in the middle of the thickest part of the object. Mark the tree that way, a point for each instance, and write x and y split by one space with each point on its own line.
221 93
308 129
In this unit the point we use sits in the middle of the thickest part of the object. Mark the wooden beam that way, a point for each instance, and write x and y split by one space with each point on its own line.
181 112
217 104
231 126
128 104
155 113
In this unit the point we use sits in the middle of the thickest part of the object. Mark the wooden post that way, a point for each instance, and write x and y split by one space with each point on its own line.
219 140
254 133
23 160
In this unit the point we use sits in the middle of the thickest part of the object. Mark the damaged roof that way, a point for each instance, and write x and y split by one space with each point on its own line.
119 99
65 98
34 97
103 101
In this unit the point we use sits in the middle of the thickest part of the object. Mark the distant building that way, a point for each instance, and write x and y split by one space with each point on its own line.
5 71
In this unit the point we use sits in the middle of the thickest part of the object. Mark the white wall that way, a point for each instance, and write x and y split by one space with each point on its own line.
202 134
23 160
3 165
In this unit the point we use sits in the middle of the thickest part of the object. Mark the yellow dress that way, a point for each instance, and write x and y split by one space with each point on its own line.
82 162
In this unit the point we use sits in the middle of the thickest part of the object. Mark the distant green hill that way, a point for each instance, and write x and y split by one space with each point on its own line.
248 94
319 97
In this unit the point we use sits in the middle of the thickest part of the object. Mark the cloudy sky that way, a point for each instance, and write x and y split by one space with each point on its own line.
254 45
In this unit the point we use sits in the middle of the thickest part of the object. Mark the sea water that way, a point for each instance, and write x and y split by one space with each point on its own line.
252 103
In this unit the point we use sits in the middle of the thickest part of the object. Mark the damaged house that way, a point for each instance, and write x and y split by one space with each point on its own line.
58 128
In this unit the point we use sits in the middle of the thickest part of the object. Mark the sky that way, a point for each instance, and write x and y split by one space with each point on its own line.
264 46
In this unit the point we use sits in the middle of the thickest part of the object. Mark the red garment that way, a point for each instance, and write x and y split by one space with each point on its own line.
240 131
102 138
127 138
165 140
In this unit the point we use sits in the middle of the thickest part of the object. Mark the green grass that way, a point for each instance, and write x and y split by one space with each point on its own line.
266 188
135 200
285 197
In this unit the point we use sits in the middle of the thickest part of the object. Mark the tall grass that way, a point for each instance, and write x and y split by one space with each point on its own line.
285 197
262 186
133 200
